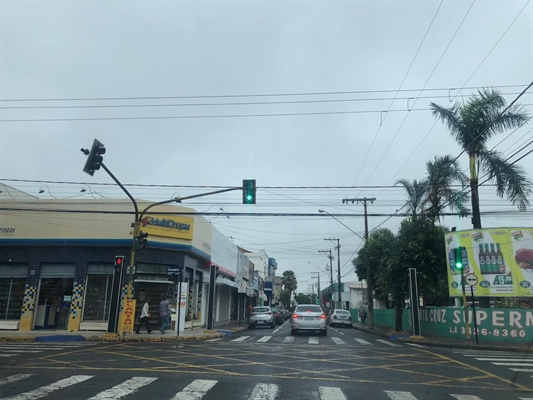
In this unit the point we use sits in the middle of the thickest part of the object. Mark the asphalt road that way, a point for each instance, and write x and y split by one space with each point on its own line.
262 364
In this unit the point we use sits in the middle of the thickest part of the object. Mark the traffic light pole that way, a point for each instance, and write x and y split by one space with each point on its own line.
464 303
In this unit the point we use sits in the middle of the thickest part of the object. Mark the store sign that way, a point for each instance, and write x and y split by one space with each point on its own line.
501 259
173 271
168 226
504 324
182 303
129 316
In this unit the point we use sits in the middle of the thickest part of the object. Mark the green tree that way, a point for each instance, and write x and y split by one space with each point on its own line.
285 299
472 125
416 196
375 254
302 298
289 282
443 177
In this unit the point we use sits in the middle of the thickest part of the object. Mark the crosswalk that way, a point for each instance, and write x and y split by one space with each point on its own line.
316 340
11 350
516 362
198 389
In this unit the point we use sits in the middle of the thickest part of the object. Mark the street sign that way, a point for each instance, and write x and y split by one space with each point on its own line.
241 287
471 279
173 271
249 291
129 316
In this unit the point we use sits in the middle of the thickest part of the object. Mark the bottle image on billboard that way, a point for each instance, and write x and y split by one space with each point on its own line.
481 259
464 256
488 262
493 261
451 259
499 260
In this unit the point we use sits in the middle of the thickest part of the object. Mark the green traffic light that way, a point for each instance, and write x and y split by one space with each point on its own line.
459 258
249 197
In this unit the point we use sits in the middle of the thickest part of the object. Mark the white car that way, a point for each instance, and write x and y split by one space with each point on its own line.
308 317
340 317
261 316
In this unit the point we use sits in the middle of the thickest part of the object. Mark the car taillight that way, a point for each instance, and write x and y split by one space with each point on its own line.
269 313
295 316
323 316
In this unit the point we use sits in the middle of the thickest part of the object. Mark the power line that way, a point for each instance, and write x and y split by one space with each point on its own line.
243 95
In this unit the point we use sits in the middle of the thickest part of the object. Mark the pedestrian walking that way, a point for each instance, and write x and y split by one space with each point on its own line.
250 309
144 319
164 313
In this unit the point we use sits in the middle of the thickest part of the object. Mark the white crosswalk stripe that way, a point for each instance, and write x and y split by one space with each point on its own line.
13 378
196 390
313 340
331 393
388 343
288 339
521 369
264 339
338 340
241 339
125 388
415 345
364 342
46 390
393 395
264 391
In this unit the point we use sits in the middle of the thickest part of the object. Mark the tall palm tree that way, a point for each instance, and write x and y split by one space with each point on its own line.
443 174
472 125
416 196
289 282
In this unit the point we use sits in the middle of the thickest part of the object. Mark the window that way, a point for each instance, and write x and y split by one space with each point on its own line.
98 297
261 309
11 295
309 308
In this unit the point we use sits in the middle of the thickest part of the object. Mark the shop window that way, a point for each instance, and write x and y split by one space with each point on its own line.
11 295
98 297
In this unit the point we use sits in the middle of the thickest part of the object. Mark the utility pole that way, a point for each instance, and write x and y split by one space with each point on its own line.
317 275
330 272
339 287
369 295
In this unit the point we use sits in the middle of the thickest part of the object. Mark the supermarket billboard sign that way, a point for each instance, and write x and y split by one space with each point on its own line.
501 259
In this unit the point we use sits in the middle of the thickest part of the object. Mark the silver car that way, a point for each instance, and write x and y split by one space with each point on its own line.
340 317
261 316
308 317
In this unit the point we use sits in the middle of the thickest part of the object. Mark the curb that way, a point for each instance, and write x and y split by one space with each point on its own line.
27 339
159 339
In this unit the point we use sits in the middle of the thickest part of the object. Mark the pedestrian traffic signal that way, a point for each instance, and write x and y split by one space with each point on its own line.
141 240
248 191
459 258
94 157
119 262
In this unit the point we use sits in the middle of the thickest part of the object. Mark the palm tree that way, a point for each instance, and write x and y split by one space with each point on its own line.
443 173
416 196
289 282
472 125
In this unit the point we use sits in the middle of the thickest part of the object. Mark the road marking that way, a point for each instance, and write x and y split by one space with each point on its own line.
13 378
46 390
281 326
338 340
521 370
363 341
288 339
511 364
415 345
214 340
342 333
264 391
400 395
505 359
22 351
388 343
241 339
264 339
196 390
124 389
313 340
8 355
465 397
331 393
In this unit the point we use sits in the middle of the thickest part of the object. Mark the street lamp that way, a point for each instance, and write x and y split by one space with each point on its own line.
41 191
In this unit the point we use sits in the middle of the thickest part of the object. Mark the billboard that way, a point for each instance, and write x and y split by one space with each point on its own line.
501 259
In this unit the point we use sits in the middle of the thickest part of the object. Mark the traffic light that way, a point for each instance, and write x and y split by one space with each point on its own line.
141 240
119 262
248 191
317 301
459 258
94 157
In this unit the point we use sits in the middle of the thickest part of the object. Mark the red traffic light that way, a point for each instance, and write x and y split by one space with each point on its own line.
119 261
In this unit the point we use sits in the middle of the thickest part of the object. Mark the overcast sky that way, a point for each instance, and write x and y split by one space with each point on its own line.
304 52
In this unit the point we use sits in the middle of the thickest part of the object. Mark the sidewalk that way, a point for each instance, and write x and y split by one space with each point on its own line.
191 334
432 341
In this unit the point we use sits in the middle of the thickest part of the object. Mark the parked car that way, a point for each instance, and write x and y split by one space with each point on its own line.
261 316
286 314
308 317
278 318
340 317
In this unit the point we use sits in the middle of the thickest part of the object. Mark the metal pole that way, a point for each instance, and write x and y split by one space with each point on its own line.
474 311
464 303
340 305
178 313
